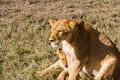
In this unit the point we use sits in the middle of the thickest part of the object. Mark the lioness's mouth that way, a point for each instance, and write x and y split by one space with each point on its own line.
54 45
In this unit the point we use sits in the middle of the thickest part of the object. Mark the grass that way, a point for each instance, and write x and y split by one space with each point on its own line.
23 50
24 32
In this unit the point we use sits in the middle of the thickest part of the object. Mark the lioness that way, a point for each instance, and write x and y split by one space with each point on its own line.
60 63
86 49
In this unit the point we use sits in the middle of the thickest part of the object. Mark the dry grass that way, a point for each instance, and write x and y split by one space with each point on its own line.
24 31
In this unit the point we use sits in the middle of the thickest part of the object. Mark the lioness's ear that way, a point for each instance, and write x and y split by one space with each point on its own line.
52 21
72 23
76 22
79 21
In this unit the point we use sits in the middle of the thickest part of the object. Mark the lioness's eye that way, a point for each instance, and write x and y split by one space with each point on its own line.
60 32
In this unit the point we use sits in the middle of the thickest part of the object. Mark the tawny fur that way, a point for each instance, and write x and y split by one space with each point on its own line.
60 63
86 49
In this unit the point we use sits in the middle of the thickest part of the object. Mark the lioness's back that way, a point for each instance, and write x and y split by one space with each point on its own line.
101 44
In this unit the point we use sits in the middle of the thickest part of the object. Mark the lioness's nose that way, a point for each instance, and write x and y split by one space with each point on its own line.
51 40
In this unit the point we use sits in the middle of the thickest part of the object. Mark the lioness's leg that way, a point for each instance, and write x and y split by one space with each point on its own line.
106 68
62 75
73 73
44 72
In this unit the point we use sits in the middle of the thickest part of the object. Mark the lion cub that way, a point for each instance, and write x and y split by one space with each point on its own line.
62 62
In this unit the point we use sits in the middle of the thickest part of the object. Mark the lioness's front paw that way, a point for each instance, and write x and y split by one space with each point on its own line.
82 74
38 74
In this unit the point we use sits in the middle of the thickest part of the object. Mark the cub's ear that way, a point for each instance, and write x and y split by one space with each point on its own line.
52 21
59 50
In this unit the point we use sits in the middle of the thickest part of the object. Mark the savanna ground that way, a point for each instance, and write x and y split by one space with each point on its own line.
24 32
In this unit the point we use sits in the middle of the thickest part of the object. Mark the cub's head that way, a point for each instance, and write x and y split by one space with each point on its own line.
60 30
62 56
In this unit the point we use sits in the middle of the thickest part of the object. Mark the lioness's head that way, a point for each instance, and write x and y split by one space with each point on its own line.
60 30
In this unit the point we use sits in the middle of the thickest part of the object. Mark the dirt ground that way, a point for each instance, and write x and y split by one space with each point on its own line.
100 13
91 10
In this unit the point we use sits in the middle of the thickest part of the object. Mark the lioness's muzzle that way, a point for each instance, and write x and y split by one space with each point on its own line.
51 40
